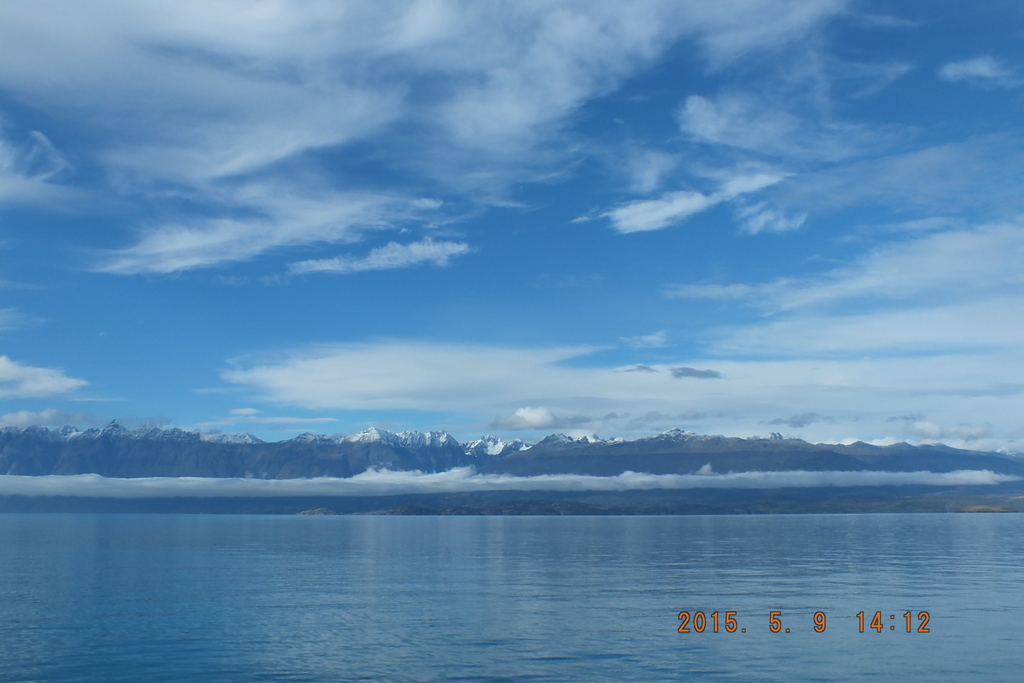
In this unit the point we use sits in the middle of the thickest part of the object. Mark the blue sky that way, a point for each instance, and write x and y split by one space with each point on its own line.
515 218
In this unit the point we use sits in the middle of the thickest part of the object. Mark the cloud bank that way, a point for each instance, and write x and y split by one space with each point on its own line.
384 482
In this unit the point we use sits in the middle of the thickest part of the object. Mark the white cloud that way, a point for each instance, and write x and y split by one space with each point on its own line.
950 267
25 381
761 218
50 417
714 291
647 168
859 392
977 176
930 431
281 218
384 482
10 319
673 207
530 418
790 120
925 323
736 28
983 69
655 214
753 123
741 184
838 374
235 418
877 76
29 170
413 375
243 412
976 326
737 121
655 340
300 119
474 98
388 257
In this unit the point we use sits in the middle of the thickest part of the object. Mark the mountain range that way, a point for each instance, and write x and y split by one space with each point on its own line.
115 451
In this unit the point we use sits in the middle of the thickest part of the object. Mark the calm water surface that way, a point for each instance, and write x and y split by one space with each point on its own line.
253 598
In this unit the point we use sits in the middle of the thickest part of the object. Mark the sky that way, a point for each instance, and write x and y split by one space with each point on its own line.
515 218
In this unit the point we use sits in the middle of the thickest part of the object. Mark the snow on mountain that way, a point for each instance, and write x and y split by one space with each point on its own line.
493 446
484 447
683 436
372 435
230 438
566 440
113 430
428 439
68 432
310 437
407 439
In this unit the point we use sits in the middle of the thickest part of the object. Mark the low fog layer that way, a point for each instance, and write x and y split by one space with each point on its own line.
384 482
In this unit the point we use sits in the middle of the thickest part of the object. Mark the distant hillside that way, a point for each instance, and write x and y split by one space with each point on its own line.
119 452
678 452
150 452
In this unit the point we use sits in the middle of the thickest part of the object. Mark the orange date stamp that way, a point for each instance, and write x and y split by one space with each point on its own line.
699 622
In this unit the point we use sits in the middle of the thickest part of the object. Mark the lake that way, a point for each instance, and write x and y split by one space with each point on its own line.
206 598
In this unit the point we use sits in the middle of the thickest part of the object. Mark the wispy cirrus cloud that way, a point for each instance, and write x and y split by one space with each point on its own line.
198 101
273 217
762 218
674 207
11 319
654 340
770 126
655 214
947 266
874 77
981 70
389 257
243 416
936 298
31 170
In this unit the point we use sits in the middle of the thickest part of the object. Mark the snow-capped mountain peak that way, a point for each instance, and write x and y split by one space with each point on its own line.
231 438
429 439
406 439
372 435
493 446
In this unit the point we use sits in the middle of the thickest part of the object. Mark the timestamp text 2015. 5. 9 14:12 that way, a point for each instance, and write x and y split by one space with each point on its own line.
700 622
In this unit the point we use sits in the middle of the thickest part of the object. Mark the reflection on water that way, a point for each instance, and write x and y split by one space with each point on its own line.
260 598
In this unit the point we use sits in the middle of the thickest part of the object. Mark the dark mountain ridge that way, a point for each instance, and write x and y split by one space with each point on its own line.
678 452
152 452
